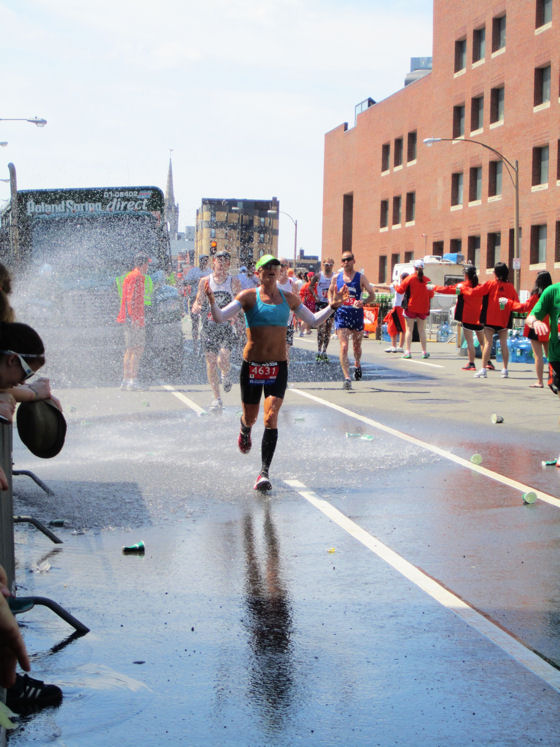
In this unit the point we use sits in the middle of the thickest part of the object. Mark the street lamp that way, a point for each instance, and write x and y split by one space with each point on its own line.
294 221
38 121
513 171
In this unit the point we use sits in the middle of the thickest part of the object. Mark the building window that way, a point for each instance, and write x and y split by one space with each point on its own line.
398 153
494 248
408 257
460 55
212 233
385 156
479 44
384 214
497 96
498 33
410 206
412 141
558 161
544 12
540 165
459 120
382 268
455 246
538 244
396 210
477 113
475 184
542 85
473 255
437 248
395 259
261 238
495 178
457 188
557 242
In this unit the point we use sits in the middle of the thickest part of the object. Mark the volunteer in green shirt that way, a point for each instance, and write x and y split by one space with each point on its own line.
549 305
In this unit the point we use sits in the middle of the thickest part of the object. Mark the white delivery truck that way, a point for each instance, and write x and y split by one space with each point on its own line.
441 271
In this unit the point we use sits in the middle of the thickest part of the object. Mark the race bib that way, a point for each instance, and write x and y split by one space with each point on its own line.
263 373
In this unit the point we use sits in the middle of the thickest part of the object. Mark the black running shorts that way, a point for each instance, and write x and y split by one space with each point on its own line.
251 393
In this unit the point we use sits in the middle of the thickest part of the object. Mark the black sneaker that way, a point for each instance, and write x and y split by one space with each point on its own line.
263 484
28 695
358 373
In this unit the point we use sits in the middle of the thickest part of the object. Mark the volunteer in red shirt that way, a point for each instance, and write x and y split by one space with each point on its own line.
538 342
496 317
131 314
415 288
467 311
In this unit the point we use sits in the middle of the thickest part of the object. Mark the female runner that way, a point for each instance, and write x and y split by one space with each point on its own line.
267 310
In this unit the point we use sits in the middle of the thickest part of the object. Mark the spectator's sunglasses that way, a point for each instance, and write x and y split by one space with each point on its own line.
27 370
347 259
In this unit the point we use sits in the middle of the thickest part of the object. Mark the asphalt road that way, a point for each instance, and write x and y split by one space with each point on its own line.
388 591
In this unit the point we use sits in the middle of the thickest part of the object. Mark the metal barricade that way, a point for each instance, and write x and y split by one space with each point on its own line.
7 554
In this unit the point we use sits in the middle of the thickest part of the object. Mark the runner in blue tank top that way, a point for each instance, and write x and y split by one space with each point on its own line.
349 317
264 366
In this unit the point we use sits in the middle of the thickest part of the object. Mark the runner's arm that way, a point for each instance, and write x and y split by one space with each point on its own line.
314 320
199 300
228 312
366 285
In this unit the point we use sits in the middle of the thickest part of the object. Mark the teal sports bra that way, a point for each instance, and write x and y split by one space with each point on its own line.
268 314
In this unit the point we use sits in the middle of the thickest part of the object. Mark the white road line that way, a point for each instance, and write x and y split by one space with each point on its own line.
435 449
500 637
421 363
185 400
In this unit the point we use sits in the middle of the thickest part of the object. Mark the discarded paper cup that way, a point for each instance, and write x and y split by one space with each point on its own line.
136 549
549 463
529 497
353 435
476 459
366 437
497 418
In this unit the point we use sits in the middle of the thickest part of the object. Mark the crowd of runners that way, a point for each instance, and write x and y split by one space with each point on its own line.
260 309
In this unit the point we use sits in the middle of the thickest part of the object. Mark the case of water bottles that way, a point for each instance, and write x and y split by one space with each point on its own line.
520 350
384 334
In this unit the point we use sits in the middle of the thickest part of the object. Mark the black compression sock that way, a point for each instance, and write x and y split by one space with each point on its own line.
245 429
268 446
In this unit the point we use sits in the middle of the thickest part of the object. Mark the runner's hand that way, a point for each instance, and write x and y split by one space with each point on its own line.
339 297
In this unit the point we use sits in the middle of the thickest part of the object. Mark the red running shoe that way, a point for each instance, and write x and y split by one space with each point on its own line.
244 442
490 366
469 367
263 484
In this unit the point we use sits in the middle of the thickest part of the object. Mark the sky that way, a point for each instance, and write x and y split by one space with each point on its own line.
241 93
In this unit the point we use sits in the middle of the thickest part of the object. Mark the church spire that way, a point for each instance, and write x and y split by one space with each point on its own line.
171 208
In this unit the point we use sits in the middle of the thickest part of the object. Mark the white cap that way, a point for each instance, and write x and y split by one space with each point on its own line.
419 264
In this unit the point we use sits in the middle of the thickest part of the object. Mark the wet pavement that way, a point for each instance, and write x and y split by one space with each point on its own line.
261 620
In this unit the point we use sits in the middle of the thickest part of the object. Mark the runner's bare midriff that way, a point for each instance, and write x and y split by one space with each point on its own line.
265 344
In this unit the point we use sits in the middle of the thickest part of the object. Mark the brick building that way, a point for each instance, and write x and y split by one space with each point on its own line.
496 79
246 228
